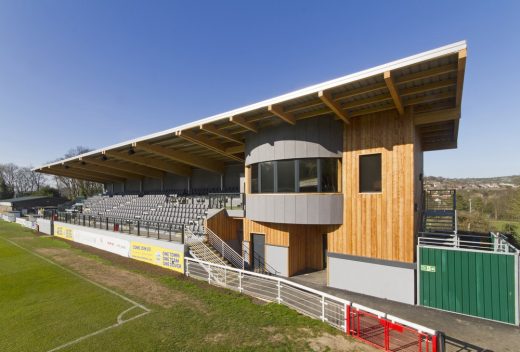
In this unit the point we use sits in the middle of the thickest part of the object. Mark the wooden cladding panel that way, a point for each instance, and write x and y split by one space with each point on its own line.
224 226
306 249
275 234
304 242
379 225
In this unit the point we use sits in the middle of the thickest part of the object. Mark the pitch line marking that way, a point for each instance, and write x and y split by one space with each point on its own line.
120 320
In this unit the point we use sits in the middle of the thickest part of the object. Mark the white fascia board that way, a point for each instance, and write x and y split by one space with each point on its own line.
394 65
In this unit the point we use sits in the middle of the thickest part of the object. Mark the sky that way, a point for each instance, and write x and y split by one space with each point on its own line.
95 73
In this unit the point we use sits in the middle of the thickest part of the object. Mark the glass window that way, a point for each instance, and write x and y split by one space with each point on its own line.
329 175
308 181
285 176
254 178
267 177
370 173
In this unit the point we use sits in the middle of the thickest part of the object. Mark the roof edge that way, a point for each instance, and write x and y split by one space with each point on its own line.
393 65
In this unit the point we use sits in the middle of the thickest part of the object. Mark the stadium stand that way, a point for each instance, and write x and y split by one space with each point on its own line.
169 209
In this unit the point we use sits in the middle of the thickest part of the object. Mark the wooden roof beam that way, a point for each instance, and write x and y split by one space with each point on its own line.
82 165
436 71
239 120
68 168
182 157
326 98
393 92
285 116
436 116
80 176
136 169
461 67
182 170
213 130
207 143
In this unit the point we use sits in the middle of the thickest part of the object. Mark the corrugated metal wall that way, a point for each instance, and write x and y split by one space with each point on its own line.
475 283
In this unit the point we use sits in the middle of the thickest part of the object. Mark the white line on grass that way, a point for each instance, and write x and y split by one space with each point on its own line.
120 320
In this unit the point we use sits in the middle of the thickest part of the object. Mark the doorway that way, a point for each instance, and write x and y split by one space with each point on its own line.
324 250
258 251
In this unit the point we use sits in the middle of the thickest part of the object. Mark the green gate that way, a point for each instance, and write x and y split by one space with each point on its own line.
479 283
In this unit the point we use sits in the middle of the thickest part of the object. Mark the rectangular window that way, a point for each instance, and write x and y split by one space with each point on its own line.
285 176
254 178
329 175
370 173
267 177
308 172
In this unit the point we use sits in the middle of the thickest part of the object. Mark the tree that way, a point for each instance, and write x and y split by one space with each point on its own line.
74 188
5 191
47 191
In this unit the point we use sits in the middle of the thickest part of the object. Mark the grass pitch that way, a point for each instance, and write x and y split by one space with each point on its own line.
53 293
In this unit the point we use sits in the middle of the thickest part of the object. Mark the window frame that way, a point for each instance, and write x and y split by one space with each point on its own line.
296 165
380 173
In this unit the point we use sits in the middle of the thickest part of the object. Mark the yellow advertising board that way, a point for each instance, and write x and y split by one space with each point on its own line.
63 232
163 257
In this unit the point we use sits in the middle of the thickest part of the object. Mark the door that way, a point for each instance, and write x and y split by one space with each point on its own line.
478 283
258 251
324 250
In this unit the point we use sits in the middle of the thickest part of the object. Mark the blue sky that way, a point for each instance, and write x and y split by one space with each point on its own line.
95 73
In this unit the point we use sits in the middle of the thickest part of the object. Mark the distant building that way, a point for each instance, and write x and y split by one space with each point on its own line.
25 204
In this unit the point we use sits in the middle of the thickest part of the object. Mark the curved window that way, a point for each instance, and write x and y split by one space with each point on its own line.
295 175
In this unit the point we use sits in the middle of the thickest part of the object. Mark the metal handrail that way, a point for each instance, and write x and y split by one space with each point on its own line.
192 239
148 228
221 200
265 268
311 302
195 240
224 249
495 242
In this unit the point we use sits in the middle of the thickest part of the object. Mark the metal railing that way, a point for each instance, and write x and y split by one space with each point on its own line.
262 266
308 301
156 229
224 249
440 199
231 201
494 242
374 327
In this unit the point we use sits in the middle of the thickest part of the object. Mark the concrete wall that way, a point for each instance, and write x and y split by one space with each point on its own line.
169 255
151 184
132 185
304 208
390 280
232 175
204 179
245 249
319 137
175 182
278 258
44 225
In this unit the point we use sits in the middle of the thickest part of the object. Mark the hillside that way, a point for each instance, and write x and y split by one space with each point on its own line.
491 183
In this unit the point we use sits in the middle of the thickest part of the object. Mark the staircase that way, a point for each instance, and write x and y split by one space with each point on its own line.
204 251
440 212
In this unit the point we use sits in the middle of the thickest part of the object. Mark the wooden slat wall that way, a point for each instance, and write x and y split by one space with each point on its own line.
224 226
304 242
379 225
419 170
275 234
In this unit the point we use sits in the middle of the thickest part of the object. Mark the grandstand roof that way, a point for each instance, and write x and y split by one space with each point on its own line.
431 82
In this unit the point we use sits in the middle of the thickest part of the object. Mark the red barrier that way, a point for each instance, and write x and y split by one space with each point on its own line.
378 331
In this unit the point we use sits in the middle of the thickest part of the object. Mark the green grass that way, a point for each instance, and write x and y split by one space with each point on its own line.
499 225
42 306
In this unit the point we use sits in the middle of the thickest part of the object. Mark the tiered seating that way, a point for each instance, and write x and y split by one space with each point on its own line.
168 209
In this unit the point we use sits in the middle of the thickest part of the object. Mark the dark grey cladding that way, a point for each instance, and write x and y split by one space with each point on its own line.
315 209
318 137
